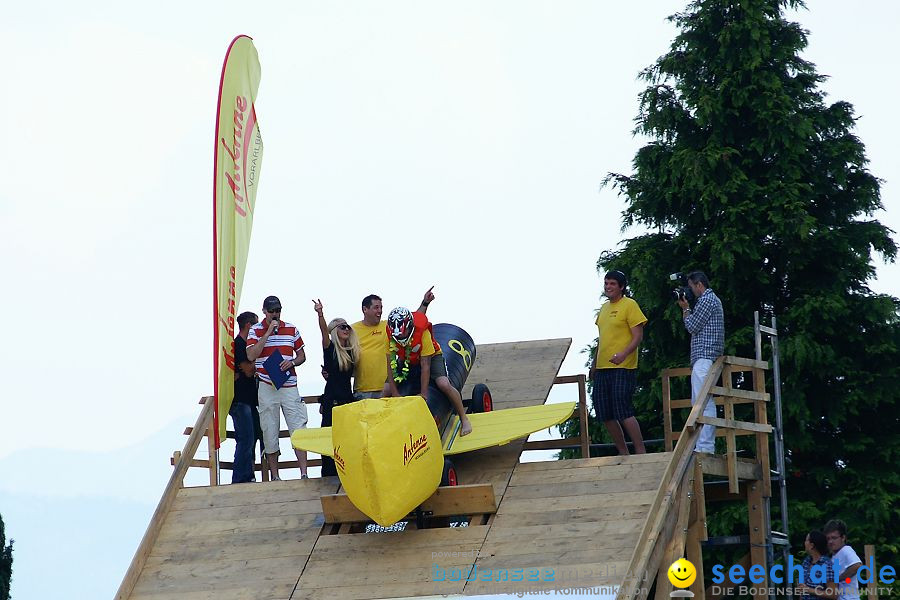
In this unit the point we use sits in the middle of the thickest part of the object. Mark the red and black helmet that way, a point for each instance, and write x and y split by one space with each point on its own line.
400 324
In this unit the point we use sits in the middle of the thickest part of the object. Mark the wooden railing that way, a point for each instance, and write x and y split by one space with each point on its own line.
213 467
584 438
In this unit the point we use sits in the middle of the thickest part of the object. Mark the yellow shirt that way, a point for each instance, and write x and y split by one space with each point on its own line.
614 322
371 369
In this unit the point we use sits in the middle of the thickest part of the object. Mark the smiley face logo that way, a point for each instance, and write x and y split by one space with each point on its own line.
682 573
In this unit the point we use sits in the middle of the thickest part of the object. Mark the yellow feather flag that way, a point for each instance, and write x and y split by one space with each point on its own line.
238 157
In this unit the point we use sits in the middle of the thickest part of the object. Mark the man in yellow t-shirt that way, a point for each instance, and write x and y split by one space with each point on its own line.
370 373
620 323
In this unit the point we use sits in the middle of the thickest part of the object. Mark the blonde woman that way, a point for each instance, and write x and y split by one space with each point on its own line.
340 349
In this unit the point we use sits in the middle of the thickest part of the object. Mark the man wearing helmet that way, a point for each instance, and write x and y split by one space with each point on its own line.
414 351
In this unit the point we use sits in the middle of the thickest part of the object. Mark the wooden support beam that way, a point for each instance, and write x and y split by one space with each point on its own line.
872 586
762 439
757 522
737 393
746 468
667 411
552 444
697 529
676 372
746 362
475 499
730 442
745 426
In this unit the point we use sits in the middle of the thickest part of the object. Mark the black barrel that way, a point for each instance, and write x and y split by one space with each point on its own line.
458 349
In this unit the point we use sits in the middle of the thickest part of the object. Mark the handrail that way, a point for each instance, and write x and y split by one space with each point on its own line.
168 498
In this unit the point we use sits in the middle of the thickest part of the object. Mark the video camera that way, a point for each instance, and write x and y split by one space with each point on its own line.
683 290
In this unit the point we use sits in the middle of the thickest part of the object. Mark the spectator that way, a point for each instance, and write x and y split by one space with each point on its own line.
821 583
371 373
340 350
846 560
620 324
415 355
706 324
264 339
244 403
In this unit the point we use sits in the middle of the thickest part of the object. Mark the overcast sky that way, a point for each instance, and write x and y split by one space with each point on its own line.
407 144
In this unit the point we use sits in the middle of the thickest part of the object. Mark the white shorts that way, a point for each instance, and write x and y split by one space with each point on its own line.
287 399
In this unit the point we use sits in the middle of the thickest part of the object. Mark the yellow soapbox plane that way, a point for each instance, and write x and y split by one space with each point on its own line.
390 452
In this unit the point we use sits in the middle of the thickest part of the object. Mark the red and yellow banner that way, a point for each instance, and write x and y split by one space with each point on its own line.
238 157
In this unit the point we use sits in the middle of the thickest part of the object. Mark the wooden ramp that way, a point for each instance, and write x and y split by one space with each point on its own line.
559 524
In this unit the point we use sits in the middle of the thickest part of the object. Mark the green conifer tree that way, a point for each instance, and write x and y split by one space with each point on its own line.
5 563
751 176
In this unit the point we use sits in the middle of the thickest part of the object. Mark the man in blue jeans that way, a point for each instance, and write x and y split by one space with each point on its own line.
244 403
706 324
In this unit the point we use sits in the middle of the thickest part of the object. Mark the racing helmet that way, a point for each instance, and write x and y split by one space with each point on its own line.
400 324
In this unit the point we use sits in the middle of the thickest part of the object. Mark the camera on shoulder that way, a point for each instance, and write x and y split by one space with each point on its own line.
683 290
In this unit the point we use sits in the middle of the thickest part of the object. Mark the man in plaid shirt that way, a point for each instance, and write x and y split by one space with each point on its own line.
706 324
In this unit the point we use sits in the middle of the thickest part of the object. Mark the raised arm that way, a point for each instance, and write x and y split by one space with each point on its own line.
426 300
323 326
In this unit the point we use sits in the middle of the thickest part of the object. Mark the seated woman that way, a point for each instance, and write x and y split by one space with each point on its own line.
340 349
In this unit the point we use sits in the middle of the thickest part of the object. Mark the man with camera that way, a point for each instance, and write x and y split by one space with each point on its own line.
620 324
706 324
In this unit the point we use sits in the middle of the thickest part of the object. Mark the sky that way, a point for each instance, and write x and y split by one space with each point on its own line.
407 144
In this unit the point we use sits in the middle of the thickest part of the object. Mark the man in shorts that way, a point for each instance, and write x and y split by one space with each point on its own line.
369 374
620 323
265 338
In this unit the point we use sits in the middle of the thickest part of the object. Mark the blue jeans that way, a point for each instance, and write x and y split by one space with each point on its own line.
241 414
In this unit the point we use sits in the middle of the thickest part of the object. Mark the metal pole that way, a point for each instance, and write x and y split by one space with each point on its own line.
779 436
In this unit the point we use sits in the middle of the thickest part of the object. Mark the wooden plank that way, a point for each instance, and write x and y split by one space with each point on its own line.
474 499
527 505
660 458
165 503
582 515
676 372
588 473
272 591
746 468
746 362
762 440
668 438
186 532
731 423
553 491
730 440
738 393
553 444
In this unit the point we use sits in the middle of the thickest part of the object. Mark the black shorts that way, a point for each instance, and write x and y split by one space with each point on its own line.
612 392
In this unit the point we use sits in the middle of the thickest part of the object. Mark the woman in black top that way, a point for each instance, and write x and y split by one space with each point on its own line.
340 349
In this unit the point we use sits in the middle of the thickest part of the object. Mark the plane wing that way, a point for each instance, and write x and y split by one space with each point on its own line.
503 426
316 439
494 428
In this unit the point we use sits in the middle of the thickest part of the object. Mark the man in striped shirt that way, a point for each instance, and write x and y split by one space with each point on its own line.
265 338
706 324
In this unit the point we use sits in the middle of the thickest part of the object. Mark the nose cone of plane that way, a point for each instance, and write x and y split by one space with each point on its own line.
388 455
